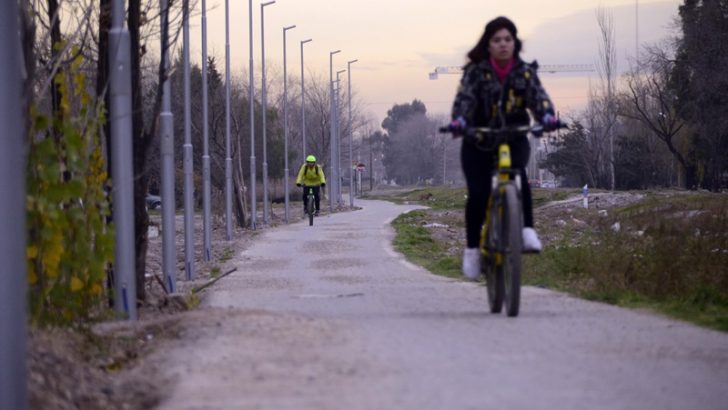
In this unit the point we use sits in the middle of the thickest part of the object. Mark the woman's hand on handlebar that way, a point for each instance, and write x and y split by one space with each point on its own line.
456 127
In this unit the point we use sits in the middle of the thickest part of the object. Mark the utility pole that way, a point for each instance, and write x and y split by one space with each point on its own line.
187 150
122 164
251 102
338 140
351 138
13 276
205 146
228 159
332 132
264 108
166 150
285 122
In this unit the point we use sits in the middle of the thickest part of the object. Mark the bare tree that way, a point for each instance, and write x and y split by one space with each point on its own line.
652 102
607 69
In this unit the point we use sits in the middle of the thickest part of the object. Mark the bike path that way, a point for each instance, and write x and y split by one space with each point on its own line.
330 317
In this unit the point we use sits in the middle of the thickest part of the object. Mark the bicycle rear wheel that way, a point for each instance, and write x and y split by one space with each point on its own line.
488 265
511 231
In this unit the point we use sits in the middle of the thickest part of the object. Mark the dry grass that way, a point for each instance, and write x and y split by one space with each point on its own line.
667 251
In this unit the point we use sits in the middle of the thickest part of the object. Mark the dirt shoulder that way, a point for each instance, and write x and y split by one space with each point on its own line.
117 364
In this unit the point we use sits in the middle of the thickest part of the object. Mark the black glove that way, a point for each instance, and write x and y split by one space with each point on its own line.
549 122
323 185
298 185
457 126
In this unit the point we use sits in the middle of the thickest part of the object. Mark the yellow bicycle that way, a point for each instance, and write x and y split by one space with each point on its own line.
501 236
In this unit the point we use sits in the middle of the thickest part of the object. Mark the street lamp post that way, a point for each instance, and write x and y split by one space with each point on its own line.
122 171
228 159
187 150
285 122
205 145
339 176
303 104
264 109
13 371
351 138
251 95
332 129
166 150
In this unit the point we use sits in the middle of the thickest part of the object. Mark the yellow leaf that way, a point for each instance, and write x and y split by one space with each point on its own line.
31 252
76 284
96 289
32 277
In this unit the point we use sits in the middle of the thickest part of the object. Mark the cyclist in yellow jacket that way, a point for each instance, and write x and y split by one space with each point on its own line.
311 175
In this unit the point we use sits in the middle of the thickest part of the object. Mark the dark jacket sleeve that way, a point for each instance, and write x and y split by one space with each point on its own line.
466 99
538 100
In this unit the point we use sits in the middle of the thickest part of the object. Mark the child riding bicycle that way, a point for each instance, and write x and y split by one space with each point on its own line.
311 175
497 87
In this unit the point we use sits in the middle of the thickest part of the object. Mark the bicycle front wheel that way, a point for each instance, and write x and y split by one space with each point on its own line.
310 209
489 264
511 235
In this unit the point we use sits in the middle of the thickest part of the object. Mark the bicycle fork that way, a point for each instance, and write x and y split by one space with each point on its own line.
498 183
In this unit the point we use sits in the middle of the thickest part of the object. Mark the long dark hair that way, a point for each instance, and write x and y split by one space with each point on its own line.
480 51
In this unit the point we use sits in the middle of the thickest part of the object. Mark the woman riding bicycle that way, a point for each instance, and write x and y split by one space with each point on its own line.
496 87
312 176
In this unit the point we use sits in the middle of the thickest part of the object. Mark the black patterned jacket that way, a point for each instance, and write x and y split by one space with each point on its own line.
479 92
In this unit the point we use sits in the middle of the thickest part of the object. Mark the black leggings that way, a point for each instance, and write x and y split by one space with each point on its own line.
477 167
317 199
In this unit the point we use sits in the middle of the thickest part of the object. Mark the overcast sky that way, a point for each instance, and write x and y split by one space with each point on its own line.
397 42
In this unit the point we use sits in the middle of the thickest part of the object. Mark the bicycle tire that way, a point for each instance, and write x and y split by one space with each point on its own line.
309 207
488 265
511 234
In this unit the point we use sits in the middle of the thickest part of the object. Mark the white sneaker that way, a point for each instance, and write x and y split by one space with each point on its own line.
531 243
471 263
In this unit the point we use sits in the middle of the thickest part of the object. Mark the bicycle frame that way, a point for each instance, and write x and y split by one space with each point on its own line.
501 176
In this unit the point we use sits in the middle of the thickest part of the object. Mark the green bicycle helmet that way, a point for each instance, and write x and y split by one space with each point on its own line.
310 158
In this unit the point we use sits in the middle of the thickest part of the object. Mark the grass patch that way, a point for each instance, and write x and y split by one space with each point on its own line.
667 252
226 255
416 243
438 197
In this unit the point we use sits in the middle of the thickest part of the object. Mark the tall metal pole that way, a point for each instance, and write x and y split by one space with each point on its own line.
637 31
351 138
166 149
13 276
206 255
228 159
332 131
285 122
303 105
337 102
251 96
122 163
265 111
187 150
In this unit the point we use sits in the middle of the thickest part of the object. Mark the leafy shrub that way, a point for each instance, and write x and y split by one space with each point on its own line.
70 243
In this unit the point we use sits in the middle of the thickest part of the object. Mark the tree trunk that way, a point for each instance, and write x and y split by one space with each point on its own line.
54 19
141 141
102 80
27 27
239 196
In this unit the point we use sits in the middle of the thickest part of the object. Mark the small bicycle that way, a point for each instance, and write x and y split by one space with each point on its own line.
500 239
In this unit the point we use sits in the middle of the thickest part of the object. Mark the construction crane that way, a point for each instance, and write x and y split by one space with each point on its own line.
546 68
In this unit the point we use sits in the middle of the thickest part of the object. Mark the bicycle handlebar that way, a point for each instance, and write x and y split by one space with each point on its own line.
537 130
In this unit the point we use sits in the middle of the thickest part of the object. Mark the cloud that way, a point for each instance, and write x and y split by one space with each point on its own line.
575 39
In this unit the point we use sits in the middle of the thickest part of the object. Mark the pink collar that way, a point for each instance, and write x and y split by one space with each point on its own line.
501 72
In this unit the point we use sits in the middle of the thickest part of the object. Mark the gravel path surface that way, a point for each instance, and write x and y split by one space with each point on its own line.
330 317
